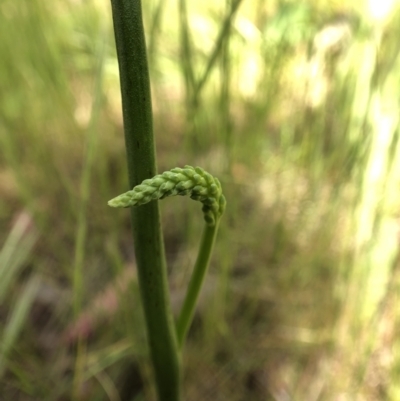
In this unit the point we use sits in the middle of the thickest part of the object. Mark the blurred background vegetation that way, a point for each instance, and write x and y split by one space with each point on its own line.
294 105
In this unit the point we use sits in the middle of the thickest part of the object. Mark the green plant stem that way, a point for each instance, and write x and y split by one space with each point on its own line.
186 48
196 281
222 36
148 242
88 162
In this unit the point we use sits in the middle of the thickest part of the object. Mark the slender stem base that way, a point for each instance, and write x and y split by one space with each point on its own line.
196 282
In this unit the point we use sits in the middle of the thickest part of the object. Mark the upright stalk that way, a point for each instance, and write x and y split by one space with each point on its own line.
147 235
196 281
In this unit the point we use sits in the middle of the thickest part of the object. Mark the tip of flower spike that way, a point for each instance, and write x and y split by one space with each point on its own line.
119 201
113 203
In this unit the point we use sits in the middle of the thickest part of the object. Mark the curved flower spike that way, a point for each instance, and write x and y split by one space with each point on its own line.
194 182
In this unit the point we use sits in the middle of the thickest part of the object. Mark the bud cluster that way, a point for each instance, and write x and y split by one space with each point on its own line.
191 181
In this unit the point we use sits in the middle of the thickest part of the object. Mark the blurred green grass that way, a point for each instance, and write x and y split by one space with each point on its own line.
294 106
